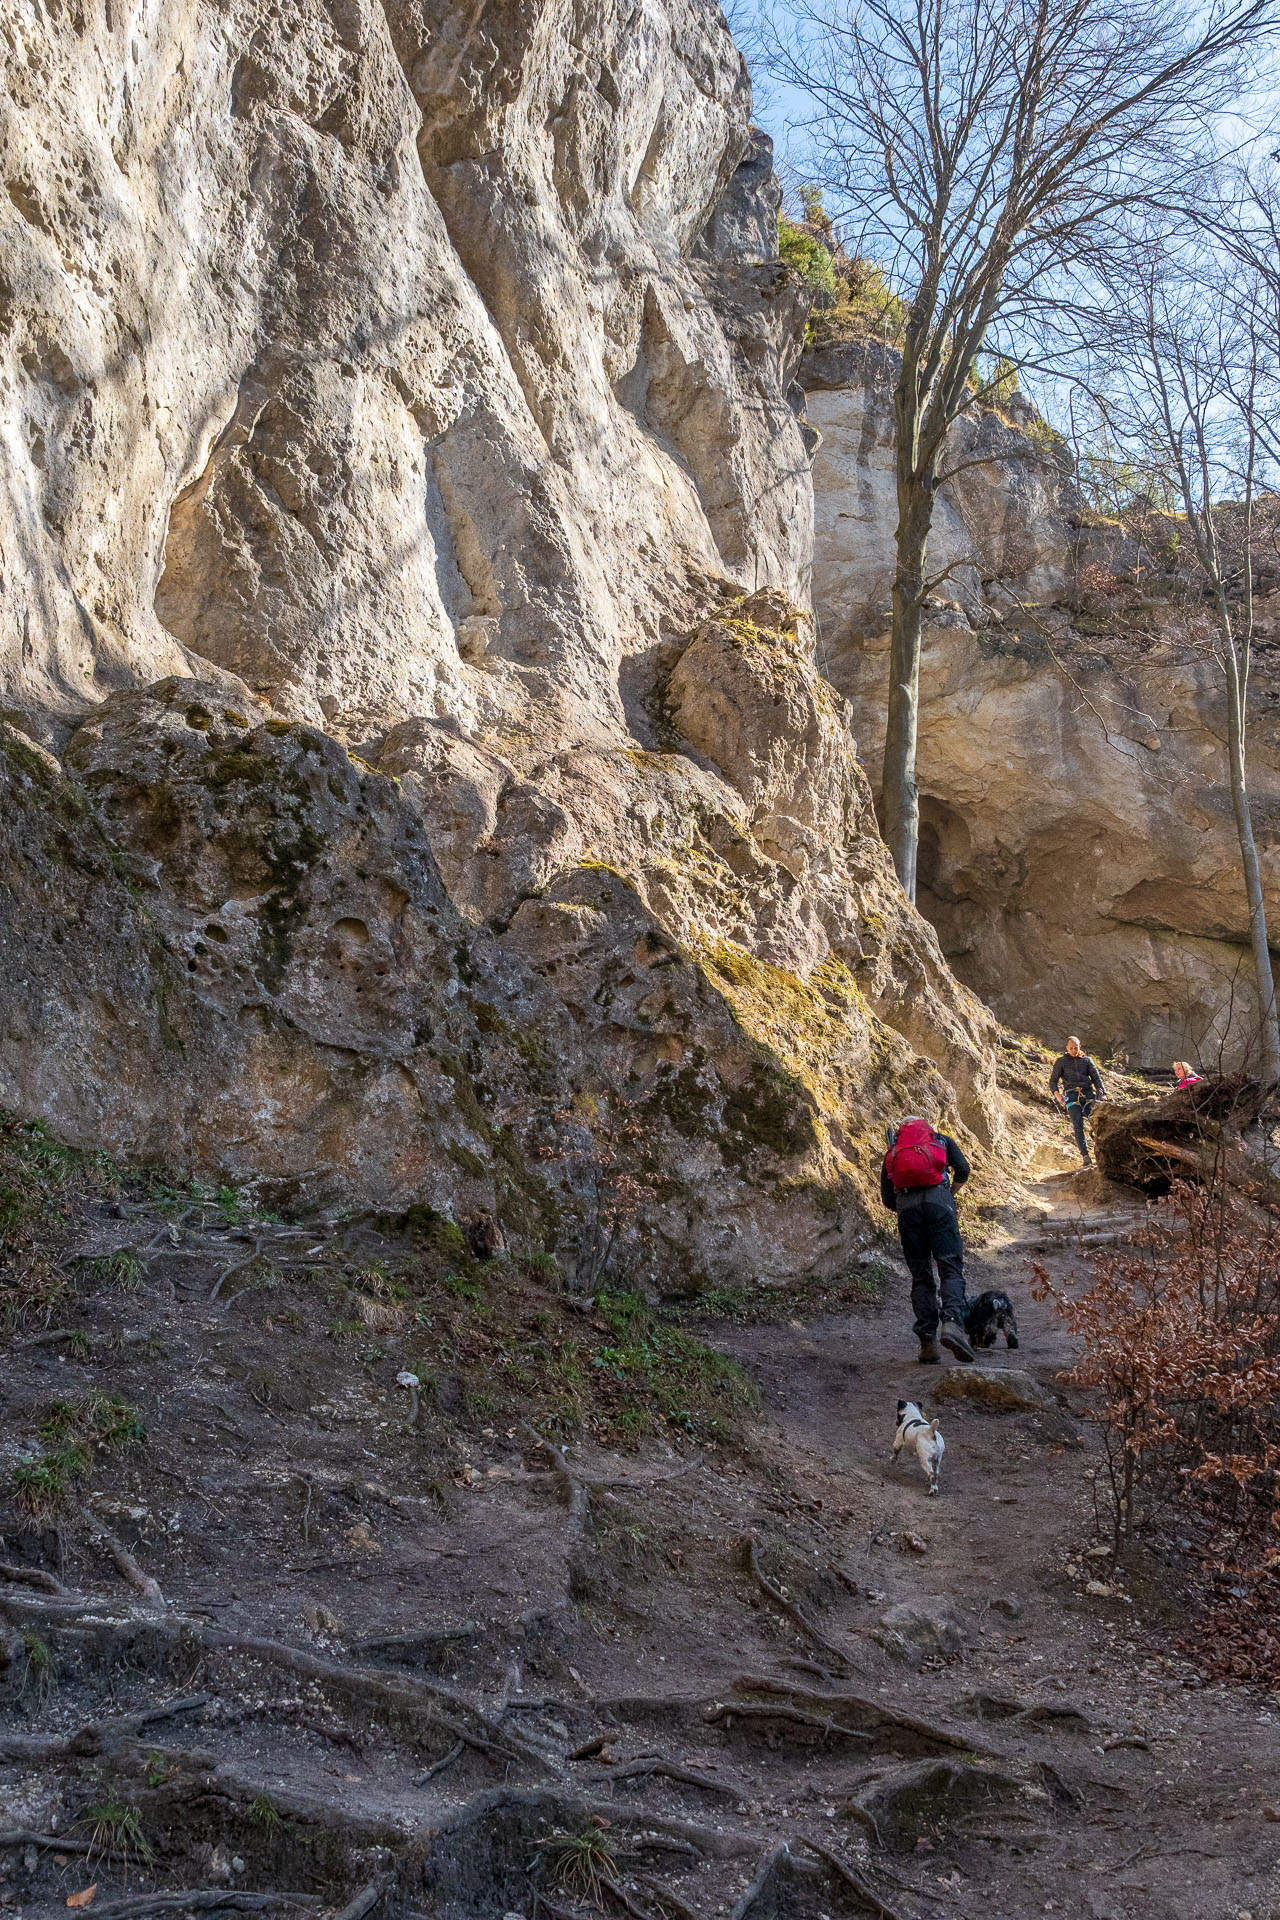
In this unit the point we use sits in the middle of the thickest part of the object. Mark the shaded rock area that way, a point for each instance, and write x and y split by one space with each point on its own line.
1008 1390
911 1803
236 936
999 1389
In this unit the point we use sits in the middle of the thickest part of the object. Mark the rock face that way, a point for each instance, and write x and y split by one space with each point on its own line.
419 380
1003 527
302 379
1078 853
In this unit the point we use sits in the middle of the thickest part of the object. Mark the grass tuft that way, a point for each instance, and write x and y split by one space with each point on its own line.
42 1662
115 1832
69 1434
580 1861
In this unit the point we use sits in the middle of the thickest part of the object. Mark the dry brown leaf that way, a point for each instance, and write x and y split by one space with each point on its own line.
84 1898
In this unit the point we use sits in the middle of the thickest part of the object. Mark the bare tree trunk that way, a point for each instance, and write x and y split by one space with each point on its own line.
1270 1025
901 824
901 800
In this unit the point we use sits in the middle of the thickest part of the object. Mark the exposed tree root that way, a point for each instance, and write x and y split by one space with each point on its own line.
455 1752
647 1767
133 1723
403 1696
20 1837
393 1645
758 1886
35 1749
725 1713
794 1613
50 1337
852 1878
194 1899
618 1892
1019 1837
141 1582
34 1577
577 1489
400 1694
873 1713
364 1902
629 1484
229 1273
97 1738
669 1902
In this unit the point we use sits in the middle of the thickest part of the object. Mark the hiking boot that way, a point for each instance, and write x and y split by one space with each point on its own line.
953 1339
930 1352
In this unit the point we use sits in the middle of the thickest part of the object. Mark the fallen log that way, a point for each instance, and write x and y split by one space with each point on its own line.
1194 1133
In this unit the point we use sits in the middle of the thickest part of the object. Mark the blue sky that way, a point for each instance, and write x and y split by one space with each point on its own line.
779 109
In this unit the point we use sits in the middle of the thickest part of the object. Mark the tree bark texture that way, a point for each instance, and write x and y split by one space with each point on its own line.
915 487
1269 1034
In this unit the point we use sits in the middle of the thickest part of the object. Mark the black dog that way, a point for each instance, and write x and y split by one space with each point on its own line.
988 1315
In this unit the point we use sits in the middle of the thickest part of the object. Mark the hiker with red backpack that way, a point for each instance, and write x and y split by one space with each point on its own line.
920 1170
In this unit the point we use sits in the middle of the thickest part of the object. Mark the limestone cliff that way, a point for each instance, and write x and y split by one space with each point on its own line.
393 377
1078 854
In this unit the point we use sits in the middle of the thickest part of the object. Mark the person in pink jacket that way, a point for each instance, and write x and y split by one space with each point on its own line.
1185 1074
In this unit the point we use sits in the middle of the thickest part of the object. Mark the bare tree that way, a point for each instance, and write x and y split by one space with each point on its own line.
984 150
1194 368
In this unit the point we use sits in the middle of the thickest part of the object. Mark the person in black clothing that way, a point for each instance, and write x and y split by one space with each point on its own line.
929 1229
1077 1085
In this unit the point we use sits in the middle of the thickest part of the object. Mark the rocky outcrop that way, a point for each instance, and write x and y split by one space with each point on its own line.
304 381
419 381
1078 852
231 949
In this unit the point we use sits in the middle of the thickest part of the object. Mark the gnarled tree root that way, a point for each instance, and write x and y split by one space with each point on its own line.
797 1615
869 1716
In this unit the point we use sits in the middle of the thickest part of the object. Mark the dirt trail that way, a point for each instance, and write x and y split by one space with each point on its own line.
1173 1826
490 1686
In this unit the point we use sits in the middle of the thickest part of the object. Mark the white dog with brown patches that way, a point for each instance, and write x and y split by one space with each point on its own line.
922 1438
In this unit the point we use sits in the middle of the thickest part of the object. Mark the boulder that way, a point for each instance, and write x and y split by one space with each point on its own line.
917 1630
922 1799
995 1389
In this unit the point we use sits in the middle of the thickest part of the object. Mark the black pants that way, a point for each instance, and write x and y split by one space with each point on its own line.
930 1234
1080 1105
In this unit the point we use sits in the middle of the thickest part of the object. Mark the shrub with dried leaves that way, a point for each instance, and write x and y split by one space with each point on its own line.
1180 1338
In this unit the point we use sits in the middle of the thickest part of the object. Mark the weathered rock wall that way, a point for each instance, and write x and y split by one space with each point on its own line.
420 380
1078 852
360 350
1004 527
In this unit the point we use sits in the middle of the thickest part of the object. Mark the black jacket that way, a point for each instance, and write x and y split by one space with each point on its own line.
957 1167
1076 1071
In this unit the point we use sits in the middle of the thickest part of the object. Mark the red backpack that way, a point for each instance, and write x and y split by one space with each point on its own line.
916 1158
